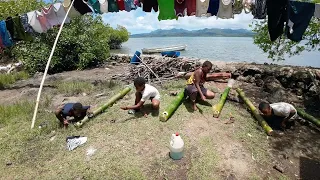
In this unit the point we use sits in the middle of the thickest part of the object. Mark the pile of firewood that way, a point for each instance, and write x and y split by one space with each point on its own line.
165 68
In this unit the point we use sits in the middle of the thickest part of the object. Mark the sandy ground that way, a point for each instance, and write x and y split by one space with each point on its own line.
214 150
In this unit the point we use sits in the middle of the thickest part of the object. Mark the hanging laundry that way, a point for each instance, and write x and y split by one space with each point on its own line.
34 22
129 5
237 7
73 12
43 21
4 34
300 14
25 22
1 45
148 5
81 7
225 9
277 15
60 13
113 6
19 33
260 9
50 15
202 8
121 5
191 7
213 7
180 7
10 27
317 11
137 3
247 5
166 10
95 5
103 6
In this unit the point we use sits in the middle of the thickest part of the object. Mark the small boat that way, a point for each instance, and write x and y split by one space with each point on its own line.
174 54
162 49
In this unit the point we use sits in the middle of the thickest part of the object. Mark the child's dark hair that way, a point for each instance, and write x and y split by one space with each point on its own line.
139 81
207 64
77 106
264 106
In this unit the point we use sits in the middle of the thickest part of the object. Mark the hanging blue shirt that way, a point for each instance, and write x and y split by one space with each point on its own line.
4 34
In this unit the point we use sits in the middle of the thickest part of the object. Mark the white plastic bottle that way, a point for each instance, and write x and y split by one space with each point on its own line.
176 147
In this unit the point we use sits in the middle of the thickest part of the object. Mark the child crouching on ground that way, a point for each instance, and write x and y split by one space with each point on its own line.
195 83
144 92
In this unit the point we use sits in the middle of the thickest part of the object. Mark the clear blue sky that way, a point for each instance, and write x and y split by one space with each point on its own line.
138 21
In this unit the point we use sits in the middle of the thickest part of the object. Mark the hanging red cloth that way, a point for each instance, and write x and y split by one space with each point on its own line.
121 5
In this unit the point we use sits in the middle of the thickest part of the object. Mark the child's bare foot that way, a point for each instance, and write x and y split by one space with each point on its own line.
194 107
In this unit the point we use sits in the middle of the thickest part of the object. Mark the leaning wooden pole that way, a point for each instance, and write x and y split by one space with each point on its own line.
47 67
308 117
114 99
255 112
173 106
217 108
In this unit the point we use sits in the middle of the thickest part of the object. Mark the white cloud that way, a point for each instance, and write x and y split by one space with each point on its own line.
140 22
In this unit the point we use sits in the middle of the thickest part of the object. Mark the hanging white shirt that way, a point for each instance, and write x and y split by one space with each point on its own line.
73 12
51 16
34 22
225 9
61 13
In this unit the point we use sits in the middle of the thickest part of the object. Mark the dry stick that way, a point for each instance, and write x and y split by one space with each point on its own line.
149 69
47 66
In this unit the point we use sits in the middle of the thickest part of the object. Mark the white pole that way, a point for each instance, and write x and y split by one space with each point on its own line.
149 69
47 67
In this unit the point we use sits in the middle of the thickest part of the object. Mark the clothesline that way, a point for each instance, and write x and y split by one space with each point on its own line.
39 21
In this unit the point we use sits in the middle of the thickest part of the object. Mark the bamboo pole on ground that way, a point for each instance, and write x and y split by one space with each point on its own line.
255 112
308 117
173 106
47 67
217 108
115 98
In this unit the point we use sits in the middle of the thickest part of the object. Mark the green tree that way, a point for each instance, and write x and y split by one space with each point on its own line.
13 7
83 43
283 47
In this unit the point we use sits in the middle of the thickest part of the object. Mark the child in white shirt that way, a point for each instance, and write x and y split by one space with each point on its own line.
285 111
144 92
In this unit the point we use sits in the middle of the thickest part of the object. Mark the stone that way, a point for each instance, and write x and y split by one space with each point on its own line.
271 84
300 85
286 72
278 95
313 89
259 82
257 76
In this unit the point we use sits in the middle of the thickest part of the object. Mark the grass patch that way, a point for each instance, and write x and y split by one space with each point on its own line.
7 79
128 146
204 161
13 113
74 87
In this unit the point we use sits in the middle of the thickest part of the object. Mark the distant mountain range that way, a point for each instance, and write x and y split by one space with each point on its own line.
196 33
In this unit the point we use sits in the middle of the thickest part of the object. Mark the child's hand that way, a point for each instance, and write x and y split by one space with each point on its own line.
124 108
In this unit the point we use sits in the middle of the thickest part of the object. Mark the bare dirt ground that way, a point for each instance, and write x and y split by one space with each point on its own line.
135 147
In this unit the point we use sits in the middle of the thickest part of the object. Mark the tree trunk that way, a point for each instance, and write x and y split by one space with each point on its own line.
308 117
218 107
173 106
115 98
255 112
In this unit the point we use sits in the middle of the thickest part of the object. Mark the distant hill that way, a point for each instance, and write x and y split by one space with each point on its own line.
197 33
